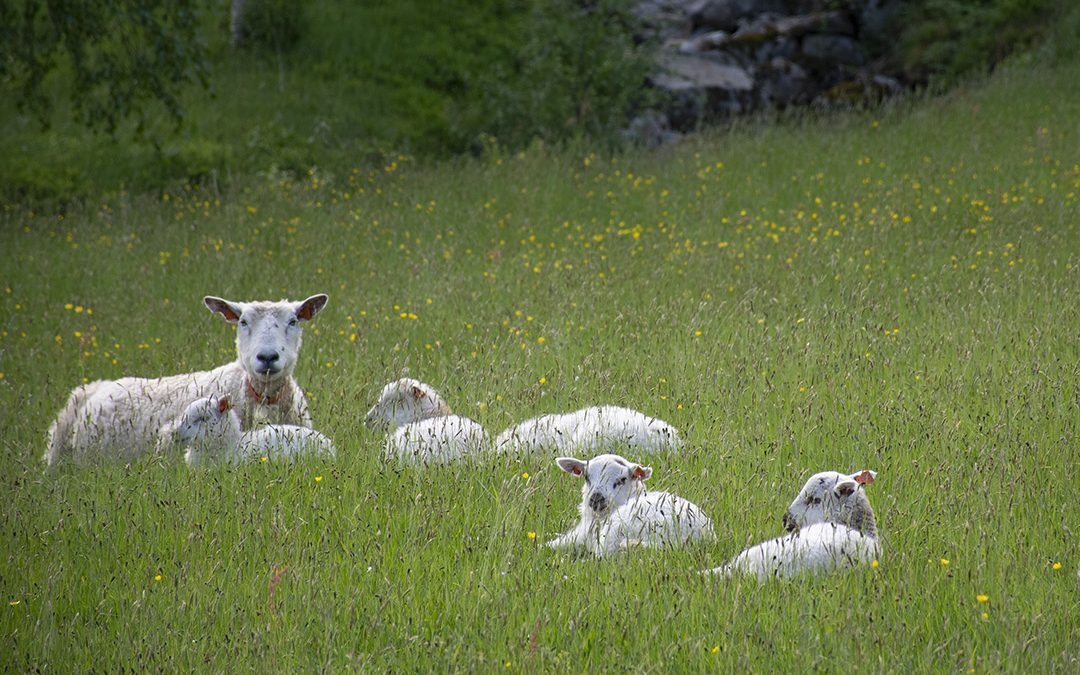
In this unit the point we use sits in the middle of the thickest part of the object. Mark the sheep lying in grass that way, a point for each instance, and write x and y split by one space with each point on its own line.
209 428
589 430
832 527
427 432
120 418
617 513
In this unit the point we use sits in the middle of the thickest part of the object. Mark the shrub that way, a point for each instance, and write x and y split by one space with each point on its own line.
273 25
575 71
942 40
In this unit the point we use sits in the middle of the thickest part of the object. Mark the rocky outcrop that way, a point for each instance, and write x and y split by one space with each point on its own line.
723 57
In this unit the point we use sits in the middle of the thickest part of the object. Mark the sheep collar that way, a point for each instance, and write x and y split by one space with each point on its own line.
263 398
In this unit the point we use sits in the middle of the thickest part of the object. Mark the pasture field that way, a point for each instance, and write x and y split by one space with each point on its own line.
894 290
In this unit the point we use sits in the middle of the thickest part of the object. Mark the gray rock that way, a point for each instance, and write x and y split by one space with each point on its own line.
650 129
833 50
835 23
685 71
783 47
714 40
876 19
783 83
663 20
727 14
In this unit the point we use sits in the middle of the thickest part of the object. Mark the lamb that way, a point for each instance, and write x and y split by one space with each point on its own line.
831 527
589 430
210 428
617 513
406 401
427 431
121 418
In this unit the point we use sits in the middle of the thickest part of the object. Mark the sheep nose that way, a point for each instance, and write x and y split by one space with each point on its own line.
597 502
268 358
789 522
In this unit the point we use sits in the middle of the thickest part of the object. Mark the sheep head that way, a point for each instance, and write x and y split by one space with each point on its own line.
268 334
610 481
406 401
833 497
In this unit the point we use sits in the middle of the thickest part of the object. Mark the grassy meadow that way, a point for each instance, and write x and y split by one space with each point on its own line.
894 290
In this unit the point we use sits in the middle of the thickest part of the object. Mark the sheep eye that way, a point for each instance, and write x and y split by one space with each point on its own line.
293 322
620 482
243 322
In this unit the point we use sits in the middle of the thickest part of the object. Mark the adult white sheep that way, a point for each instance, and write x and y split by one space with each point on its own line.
427 430
589 430
209 429
617 513
832 527
120 418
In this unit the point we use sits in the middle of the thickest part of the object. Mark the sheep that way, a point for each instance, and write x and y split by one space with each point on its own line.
617 513
210 429
831 527
437 440
589 430
427 431
406 401
121 418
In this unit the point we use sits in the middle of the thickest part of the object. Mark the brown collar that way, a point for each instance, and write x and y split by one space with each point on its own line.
265 400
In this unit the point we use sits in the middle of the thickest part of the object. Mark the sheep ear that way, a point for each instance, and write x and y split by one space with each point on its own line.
641 472
230 310
224 405
571 465
418 393
845 487
307 309
865 477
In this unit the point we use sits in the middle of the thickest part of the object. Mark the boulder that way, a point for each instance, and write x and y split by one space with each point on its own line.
783 83
685 71
829 50
727 15
650 129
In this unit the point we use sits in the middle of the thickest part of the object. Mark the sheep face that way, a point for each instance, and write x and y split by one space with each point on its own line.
831 497
207 421
267 333
404 402
610 481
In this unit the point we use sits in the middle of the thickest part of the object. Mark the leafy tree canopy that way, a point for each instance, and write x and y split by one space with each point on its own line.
116 59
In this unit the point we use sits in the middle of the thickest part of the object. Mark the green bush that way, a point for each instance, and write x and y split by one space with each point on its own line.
574 71
196 160
273 25
25 180
943 40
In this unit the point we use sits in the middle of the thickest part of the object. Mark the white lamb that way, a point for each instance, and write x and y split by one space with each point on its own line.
832 527
589 430
121 418
406 401
427 431
617 513
209 428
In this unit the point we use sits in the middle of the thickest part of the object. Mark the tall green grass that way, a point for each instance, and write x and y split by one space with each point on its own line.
893 291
